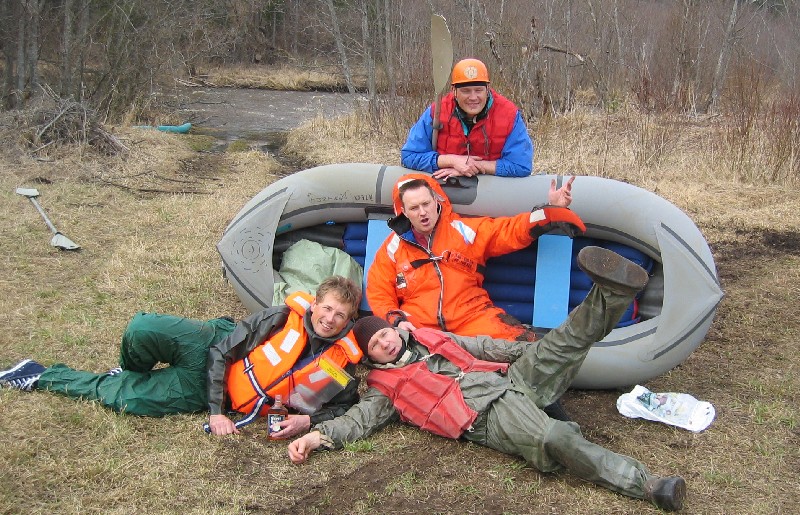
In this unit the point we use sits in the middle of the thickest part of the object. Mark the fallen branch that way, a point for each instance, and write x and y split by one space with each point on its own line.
103 138
42 147
552 48
153 190
195 82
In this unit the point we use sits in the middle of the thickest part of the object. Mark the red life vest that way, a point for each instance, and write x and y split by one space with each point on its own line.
486 138
430 401
268 370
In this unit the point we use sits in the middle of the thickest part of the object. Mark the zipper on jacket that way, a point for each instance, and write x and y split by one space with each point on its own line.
434 262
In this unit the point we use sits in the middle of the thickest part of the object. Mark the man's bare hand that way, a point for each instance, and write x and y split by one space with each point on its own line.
452 165
221 425
444 173
293 426
561 197
300 449
406 326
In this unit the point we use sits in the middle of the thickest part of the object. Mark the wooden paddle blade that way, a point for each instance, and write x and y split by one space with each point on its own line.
441 52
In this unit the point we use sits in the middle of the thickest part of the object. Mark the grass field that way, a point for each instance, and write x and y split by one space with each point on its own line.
148 224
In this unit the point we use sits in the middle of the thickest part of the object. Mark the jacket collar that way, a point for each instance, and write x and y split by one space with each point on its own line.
411 354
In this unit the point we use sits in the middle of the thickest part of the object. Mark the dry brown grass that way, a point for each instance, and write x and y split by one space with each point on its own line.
355 141
279 78
155 251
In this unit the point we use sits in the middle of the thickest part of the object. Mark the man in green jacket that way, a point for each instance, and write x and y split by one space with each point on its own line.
200 354
441 383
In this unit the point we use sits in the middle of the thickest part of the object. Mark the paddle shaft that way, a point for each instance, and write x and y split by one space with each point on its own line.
44 215
59 240
437 124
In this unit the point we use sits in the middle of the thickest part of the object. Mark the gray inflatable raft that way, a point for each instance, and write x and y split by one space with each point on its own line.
677 307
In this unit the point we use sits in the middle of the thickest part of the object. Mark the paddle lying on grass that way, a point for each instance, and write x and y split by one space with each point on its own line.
59 240
442 54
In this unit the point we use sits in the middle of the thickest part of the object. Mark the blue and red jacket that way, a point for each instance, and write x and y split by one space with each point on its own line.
500 136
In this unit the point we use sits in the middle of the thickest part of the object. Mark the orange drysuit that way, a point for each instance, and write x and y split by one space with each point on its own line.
441 285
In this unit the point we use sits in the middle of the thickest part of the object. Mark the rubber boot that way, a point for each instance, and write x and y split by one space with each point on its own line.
610 270
667 493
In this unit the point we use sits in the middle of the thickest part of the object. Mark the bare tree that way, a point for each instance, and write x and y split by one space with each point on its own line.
388 56
22 48
369 57
66 50
8 15
682 59
34 9
82 44
113 52
599 60
348 76
721 70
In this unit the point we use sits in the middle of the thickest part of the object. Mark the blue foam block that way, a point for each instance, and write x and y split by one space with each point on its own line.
553 265
377 232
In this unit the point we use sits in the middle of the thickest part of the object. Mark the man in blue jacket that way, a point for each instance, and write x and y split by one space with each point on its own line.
481 131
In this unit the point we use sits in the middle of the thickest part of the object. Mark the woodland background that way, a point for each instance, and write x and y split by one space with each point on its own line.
691 56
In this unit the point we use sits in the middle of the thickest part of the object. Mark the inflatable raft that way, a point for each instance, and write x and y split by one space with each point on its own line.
332 205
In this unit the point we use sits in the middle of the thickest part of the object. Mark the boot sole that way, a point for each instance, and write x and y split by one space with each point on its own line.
607 268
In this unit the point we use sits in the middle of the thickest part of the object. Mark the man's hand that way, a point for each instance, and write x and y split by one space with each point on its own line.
443 173
561 197
405 325
300 449
452 165
293 426
221 425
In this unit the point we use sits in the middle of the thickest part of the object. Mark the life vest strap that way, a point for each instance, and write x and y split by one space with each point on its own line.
249 418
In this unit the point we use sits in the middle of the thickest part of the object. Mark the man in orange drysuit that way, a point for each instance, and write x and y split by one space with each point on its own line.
429 272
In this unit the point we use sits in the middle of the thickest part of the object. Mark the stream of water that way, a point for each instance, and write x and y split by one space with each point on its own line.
260 117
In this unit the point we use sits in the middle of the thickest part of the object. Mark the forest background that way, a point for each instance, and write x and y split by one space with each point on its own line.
695 100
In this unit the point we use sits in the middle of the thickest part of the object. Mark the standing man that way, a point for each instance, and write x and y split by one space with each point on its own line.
441 383
482 132
217 364
429 272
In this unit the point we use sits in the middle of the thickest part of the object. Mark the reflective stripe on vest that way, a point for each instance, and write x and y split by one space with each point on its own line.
274 367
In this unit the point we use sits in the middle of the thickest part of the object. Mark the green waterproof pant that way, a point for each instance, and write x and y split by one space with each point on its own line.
182 343
515 423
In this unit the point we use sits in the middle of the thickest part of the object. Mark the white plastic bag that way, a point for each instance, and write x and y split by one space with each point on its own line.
675 409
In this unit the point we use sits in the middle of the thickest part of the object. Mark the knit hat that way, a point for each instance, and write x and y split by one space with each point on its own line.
365 328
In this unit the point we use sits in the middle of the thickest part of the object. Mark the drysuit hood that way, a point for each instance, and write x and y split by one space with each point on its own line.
400 223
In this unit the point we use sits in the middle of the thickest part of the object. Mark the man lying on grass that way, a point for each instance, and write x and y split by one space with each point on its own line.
441 383
216 363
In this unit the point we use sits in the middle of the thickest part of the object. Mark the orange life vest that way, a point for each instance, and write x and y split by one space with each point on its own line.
430 401
273 368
